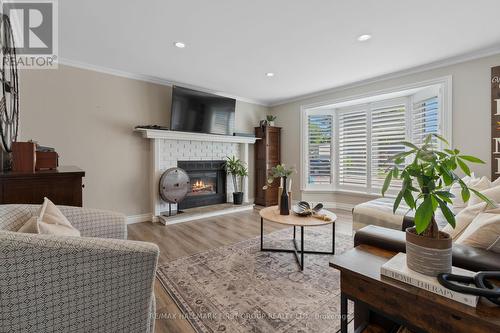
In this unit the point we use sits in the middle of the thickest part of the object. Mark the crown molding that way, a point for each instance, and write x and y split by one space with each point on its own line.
152 79
485 52
482 53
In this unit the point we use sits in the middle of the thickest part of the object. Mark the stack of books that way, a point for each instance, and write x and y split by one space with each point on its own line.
397 269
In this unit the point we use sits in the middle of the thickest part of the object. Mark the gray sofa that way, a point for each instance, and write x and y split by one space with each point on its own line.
379 212
99 282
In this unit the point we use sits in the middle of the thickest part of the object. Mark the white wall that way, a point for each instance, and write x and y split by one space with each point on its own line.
470 111
88 117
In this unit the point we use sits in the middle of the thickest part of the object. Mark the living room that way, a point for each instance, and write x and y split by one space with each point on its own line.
250 166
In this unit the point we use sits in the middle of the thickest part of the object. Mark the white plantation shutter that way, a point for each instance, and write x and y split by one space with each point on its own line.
319 139
352 148
425 119
388 129
349 147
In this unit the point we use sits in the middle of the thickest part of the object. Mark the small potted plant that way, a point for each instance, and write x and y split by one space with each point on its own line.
270 120
283 172
426 181
238 171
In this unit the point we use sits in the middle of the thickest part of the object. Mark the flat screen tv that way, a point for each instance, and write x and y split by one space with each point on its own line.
196 111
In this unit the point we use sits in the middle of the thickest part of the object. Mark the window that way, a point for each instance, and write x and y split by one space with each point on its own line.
320 131
388 129
425 119
348 145
352 154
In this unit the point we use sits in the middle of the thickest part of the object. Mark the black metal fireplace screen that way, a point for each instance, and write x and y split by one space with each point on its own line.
207 183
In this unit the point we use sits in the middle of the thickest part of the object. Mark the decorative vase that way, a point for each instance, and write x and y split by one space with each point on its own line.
270 123
284 204
429 256
237 198
280 191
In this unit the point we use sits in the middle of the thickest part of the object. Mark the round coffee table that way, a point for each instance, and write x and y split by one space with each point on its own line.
273 214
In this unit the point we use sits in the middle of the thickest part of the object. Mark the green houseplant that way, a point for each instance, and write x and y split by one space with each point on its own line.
426 175
270 119
238 171
278 171
283 172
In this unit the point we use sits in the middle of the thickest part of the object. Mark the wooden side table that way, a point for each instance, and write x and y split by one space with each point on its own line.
403 304
63 186
273 214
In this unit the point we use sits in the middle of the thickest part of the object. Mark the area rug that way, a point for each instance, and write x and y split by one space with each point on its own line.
238 288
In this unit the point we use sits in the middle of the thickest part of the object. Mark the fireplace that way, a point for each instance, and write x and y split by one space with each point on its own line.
207 183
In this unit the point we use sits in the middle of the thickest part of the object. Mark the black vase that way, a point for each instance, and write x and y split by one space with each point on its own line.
284 204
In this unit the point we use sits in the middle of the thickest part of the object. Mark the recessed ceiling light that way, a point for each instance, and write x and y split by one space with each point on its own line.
180 45
364 38
269 74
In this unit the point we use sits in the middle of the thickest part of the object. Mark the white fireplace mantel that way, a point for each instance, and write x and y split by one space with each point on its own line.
176 135
167 147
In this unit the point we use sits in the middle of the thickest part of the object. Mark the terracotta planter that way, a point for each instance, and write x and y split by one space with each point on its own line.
426 255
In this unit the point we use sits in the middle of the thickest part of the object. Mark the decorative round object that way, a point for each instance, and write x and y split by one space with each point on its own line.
174 185
9 97
302 208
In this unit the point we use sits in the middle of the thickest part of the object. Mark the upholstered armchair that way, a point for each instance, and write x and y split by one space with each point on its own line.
99 282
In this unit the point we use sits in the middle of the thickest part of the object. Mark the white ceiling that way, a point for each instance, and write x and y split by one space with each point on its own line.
311 45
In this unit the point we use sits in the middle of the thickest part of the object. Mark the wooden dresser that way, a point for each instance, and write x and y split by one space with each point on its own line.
62 186
267 155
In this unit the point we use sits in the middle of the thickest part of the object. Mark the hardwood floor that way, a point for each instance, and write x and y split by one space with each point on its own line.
184 239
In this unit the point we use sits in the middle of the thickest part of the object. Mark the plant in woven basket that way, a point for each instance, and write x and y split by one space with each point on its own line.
426 182
426 175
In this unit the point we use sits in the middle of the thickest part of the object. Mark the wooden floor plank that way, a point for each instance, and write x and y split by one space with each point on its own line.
188 238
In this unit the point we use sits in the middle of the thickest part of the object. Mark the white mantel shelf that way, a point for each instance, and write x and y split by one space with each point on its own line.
176 135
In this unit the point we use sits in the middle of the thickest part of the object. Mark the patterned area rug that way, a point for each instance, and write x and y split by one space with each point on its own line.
238 288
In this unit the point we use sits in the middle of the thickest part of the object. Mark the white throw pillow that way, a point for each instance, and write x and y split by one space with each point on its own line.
478 184
483 231
492 193
455 189
463 219
496 182
482 185
495 247
50 221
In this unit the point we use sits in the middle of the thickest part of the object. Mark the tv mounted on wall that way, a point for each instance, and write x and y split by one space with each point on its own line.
196 111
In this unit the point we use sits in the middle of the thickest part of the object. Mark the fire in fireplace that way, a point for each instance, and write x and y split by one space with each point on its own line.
207 183
204 184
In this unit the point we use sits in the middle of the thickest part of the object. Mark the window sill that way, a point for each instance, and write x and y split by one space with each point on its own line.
351 192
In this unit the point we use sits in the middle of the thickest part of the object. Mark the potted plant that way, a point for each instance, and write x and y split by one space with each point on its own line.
426 182
270 120
283 172
238 171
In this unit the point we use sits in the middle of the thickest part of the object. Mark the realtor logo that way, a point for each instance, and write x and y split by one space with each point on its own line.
34 28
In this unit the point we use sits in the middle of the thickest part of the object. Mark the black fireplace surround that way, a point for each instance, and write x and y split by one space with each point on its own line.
207 183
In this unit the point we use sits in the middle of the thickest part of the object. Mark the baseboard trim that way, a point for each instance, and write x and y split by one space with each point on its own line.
338 205
147 217
131 219
333 205
187 218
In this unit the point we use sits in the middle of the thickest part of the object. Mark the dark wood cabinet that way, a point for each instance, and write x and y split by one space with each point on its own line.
267 155
62 186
